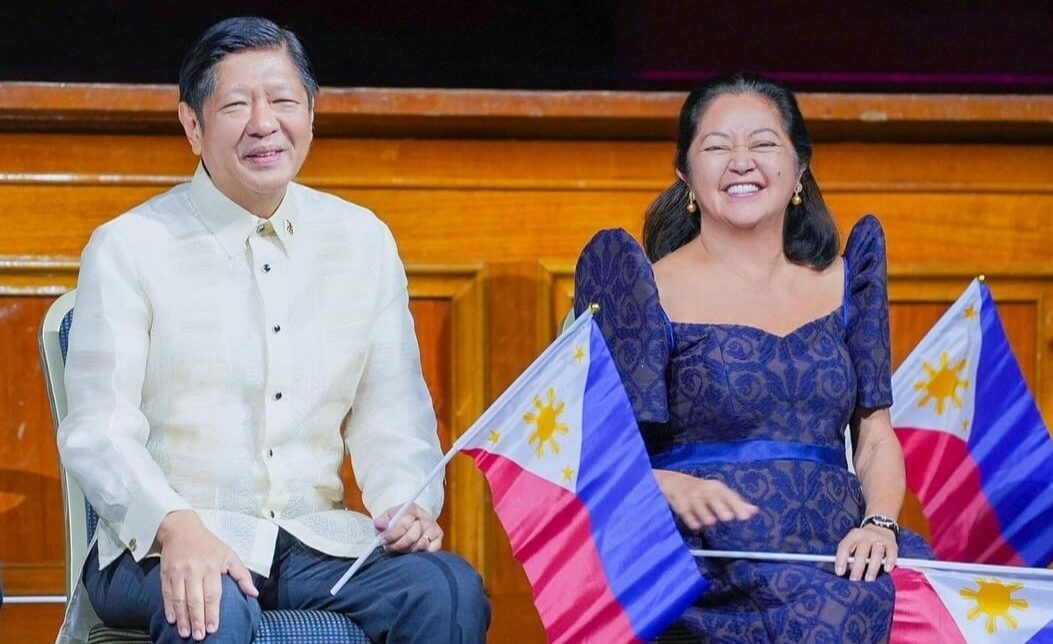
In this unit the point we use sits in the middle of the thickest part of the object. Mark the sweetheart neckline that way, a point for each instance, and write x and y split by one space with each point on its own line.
757 329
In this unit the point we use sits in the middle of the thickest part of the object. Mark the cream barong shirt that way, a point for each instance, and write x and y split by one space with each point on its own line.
222 363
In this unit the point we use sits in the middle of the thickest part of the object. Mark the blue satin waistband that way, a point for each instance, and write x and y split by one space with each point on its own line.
691 455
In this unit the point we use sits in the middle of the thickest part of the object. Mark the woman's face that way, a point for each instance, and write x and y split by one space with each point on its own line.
741 165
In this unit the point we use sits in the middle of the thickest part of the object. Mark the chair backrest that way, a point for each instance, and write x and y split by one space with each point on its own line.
53 333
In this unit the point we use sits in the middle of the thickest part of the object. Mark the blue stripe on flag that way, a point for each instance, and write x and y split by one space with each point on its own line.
1011 444
649 568
1044 636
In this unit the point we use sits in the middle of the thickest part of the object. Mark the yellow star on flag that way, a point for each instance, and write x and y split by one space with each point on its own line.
579 354
495 436
970 312
568 473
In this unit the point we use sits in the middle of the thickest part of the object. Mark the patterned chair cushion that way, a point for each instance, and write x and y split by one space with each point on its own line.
276 626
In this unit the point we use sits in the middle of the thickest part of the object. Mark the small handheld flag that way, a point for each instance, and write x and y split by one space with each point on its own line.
978 456
573 486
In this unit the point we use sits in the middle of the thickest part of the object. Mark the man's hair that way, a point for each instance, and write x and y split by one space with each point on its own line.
197 75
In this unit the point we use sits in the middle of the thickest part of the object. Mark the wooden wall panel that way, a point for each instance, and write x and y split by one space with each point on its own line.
491 196
31 541
30 623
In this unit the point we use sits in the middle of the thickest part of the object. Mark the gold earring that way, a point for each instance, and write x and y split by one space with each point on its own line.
796 199
692 205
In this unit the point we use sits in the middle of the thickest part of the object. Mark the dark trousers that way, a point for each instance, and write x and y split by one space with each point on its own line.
418 597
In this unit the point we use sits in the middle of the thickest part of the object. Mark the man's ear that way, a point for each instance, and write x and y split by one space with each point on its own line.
191 126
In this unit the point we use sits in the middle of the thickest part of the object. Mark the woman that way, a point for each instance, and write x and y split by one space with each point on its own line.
746 350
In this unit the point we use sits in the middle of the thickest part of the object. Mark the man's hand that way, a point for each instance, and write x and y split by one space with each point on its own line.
702 502
416 531
193 561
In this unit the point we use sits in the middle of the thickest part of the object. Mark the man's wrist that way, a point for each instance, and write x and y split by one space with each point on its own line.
171 521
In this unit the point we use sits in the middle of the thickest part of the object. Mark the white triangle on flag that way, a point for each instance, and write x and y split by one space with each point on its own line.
539 426
994 609
935 387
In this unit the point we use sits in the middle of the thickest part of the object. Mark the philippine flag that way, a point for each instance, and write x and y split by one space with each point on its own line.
978 456
573 487
1013 605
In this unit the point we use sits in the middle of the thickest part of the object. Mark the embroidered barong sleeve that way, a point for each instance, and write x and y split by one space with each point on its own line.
102 441
391 429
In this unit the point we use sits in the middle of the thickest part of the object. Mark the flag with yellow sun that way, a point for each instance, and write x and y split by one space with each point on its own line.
541 433
573 486
978 456
1008 605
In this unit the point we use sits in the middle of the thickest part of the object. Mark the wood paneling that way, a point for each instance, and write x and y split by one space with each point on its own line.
31 545
30 624
396 113
491 196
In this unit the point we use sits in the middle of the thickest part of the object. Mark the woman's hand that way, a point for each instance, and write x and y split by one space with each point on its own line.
869 542
702 502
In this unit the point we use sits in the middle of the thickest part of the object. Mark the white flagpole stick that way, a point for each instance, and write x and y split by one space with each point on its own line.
394 519
464 439
979 569
435 471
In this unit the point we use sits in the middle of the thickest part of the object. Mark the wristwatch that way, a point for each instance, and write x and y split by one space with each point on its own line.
881 521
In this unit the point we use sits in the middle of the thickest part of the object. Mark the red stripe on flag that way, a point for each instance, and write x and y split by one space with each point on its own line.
919 614
943 475
551 535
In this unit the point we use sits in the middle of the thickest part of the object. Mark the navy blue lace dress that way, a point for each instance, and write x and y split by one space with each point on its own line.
764 414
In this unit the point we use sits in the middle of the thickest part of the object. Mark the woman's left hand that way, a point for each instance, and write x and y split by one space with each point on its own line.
867 546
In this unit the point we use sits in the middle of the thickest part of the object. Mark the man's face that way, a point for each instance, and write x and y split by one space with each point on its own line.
255 128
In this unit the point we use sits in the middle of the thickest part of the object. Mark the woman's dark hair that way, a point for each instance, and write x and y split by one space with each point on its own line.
197 74
809 233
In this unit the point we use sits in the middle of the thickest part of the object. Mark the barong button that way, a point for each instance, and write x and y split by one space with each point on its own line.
266 268
261 228
271 512
133 544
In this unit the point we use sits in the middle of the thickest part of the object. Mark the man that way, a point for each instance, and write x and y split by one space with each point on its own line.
232 337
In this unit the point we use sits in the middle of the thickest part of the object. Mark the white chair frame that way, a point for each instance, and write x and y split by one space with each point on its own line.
76 523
